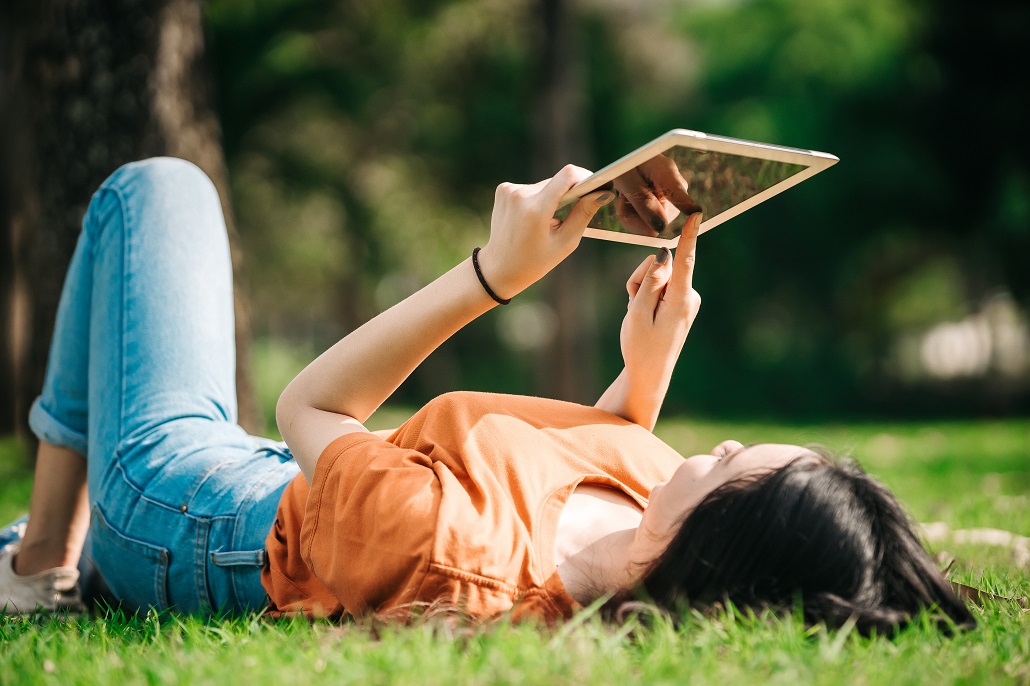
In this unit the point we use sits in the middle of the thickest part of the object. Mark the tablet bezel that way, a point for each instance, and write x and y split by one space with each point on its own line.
813 161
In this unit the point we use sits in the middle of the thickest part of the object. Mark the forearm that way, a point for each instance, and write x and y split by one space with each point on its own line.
344 386
637 401
361 371
614 397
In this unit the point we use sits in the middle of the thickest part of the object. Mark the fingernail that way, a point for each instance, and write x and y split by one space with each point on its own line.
604 198
657 223
663 256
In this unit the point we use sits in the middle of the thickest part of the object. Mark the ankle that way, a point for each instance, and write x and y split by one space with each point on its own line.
35 558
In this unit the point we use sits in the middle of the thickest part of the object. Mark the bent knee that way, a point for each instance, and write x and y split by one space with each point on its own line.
159 186
161 175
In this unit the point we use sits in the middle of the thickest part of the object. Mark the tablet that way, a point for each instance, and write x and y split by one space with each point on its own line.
660 184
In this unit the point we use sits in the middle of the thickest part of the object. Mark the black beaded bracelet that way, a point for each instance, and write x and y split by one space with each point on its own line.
482 280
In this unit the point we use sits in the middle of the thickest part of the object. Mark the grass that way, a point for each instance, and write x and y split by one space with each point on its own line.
969 475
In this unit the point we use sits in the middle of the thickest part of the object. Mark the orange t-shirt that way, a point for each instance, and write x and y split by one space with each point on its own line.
459 506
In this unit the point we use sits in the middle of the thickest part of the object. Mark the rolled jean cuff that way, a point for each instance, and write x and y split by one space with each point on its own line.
49 428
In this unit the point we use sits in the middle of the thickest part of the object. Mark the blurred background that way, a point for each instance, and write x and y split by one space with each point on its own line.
357 146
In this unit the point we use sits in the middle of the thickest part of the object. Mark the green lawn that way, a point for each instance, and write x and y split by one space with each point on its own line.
967 475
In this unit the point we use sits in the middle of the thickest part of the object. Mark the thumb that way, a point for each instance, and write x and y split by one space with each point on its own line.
584 210
653 284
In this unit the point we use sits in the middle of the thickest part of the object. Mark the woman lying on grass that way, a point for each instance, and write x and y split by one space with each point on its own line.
483 503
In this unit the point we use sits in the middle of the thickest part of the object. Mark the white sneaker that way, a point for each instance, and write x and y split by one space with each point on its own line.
52 590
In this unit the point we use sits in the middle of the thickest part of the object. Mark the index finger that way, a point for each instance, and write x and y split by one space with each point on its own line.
686 253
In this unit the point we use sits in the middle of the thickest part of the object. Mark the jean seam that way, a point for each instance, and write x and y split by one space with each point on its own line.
123 209
139 491
200 561
202 478
141 494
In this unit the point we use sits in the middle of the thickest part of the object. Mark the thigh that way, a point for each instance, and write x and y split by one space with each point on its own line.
161 334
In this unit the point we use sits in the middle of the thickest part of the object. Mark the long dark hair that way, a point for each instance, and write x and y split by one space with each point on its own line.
820 533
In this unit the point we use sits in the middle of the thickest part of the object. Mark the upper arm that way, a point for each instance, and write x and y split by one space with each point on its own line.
307 430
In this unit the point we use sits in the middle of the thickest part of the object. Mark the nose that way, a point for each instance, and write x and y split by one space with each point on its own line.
726 447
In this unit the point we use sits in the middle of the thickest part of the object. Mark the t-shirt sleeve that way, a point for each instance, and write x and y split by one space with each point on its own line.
369 522
292 588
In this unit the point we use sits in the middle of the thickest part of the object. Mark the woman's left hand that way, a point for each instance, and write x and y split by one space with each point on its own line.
526 241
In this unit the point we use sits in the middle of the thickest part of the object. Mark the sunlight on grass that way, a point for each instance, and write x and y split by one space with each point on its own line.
726 648
967 474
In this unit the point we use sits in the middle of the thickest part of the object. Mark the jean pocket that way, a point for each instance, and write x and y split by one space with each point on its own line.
136 571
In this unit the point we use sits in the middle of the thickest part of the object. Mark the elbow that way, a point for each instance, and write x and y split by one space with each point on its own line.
286 412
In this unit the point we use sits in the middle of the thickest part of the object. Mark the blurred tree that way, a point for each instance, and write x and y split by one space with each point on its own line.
363 165
904 91
87 86
566 368
366 140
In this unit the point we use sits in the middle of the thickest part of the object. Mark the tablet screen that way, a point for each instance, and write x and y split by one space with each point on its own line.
655 198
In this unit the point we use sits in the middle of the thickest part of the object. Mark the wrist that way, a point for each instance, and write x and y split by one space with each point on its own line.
495 277
483 282
646 388
649 379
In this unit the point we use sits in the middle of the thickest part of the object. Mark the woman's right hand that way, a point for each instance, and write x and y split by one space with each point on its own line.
526 241
662 308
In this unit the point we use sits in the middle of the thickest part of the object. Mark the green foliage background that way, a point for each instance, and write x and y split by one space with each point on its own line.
365 141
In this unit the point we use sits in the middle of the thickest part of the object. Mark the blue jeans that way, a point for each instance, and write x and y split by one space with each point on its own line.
141 380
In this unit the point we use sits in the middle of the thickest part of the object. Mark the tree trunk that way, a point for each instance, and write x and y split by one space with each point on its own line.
567 367
87 86
7 331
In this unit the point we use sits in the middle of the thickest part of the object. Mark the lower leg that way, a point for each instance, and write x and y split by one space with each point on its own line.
58 512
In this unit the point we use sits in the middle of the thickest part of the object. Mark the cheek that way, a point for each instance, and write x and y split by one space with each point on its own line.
688 497
690 483
690 489
694 469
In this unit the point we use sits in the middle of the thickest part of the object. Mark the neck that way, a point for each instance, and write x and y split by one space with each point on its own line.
600 546
612 564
